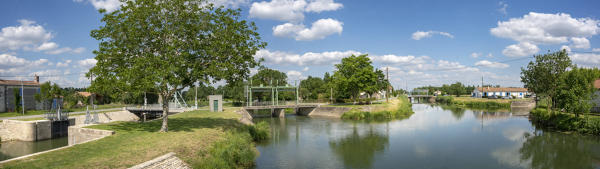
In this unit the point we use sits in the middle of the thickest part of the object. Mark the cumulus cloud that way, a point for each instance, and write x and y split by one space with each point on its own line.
229 3
295 75
305 69
281 10
490 64
309 58
87 63
66 50
108 5
521 49
63 64
475 55
290 10
394 59
323 5
540 28
319 30
418 35
586 59
582 43
596 49
27 35
8 61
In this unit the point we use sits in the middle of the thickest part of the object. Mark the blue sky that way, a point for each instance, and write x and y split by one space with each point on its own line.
421 42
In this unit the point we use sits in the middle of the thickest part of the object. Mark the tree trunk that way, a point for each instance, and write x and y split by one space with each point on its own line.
165 115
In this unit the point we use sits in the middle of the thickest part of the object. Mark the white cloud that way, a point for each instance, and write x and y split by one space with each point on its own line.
65 50
309 58
319 30
290 10
8 61
596 49
63 64
281 10
394 59
47 46
521 49
109 5
586 59
323 5
294 75
87 63
28 35
540 28
490 64
503 5
305 69
418 35
582 43
475 55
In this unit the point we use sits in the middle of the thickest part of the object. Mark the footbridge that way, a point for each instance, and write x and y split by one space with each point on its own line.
268 109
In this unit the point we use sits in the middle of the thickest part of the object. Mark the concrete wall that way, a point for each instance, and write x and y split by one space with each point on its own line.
78 135
9 97
2 98
324 111
167 161
108 117
25 130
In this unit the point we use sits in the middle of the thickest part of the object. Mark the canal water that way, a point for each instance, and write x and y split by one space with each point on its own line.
13 149
433 137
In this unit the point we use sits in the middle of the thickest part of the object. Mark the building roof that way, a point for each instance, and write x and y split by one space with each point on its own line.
502 89
18 82
597 84
84 94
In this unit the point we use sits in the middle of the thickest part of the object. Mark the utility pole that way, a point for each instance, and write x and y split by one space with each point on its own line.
22 98
196 98
387 87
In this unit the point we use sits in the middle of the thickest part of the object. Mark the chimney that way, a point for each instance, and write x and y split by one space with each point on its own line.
36 78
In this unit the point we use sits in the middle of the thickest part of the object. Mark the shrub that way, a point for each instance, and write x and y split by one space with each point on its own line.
565 122
260 131
234 151
444 99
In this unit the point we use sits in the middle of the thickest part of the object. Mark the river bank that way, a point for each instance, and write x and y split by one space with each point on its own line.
199 138
565 121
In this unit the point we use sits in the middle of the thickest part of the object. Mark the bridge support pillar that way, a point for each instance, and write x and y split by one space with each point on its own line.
278 113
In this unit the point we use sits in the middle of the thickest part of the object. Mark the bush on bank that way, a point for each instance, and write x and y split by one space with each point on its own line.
260 131
565 122
236 150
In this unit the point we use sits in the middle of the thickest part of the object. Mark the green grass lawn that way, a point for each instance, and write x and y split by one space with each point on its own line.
190 135
38 112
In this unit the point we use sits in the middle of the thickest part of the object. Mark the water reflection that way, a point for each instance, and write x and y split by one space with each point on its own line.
457 112
358 151
14 149
556 150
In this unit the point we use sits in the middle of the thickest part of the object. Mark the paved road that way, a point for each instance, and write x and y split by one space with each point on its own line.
43 115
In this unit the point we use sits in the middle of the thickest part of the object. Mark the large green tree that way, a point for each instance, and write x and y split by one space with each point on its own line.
167 45
576 89
354 75
312 87
542 76
457 89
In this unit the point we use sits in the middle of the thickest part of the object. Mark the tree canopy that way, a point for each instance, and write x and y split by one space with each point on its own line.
355 74
167 45
542 76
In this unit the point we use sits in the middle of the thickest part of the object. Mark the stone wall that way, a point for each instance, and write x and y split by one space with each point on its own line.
167 161
78 134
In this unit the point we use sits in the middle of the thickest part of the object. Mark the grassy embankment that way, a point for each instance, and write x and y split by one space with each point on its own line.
478 103
38 112
202 139
398 108
563 121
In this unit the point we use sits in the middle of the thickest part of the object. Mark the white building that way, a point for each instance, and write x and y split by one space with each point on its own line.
24 89
500 92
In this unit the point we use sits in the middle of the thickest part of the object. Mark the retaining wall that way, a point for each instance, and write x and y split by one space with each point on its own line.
78 135
326 111
167 161
26 130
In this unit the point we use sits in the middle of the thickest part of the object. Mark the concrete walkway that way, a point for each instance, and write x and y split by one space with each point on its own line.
43 115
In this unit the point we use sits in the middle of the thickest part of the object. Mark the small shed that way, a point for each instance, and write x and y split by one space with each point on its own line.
215 103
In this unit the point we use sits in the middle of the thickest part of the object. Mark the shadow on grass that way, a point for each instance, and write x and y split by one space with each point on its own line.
187 124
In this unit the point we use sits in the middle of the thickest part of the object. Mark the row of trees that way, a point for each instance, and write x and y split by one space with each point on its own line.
566 86
455 89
